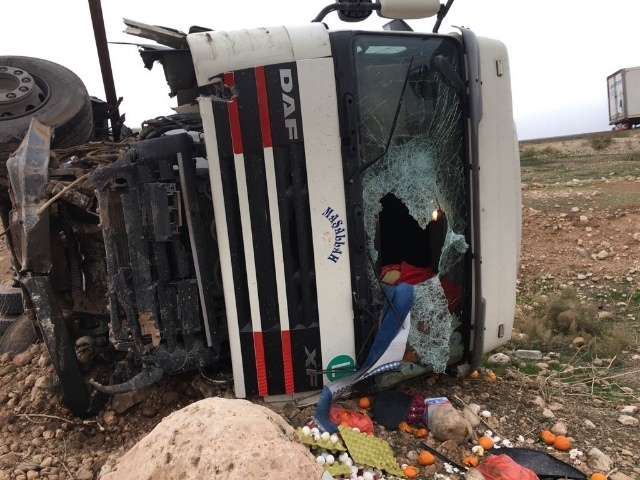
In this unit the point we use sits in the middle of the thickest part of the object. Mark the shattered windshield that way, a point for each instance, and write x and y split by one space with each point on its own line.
412 150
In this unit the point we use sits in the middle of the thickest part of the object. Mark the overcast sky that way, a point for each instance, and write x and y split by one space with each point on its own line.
561 51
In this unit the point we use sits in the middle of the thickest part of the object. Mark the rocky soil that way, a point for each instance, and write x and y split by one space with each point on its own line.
581 230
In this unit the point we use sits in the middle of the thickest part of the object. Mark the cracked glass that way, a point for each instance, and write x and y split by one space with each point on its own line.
415 188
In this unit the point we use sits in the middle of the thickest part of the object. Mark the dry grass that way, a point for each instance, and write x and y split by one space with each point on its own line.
556 321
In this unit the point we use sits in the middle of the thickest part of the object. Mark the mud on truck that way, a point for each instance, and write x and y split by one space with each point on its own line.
311 183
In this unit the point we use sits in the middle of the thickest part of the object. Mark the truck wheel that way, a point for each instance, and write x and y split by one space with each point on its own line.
10 301
31 87
19 336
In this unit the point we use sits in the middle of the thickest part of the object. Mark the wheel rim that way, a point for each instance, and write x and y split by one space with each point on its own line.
21 93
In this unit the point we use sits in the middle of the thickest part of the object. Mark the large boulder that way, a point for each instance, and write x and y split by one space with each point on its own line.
219 438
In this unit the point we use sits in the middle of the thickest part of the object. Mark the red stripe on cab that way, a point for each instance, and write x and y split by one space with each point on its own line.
263 107
234 116
261 367
288 362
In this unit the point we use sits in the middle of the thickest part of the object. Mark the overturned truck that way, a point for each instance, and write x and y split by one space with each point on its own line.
265 225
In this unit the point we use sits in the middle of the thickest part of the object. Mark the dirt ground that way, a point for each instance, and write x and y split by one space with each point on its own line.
581 231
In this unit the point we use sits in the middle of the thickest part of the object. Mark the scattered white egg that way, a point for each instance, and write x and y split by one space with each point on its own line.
325 436
343 457
354 470
485 413
334 438
507 443
315 431
496 439
306 431
520 438
349 462
330 459
316 436
367 475
478 450
320 459
356 429
488 433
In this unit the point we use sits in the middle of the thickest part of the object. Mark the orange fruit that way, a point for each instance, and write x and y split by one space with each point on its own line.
421 432
562 443
426 458
486 443
547 437
470 461
364 402
474 374
598 476
404 426
491 376
410 471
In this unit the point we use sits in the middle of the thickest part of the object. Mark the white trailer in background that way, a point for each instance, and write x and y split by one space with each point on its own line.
624 98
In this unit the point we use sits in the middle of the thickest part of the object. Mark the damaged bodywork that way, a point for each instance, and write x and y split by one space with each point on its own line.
306 174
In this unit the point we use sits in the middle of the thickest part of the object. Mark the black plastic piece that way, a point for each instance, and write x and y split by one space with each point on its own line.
541 463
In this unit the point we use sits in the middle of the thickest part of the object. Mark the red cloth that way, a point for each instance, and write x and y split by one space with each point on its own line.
413 275
408 273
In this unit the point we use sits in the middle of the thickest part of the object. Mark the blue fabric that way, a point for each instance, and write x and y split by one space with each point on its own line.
401 297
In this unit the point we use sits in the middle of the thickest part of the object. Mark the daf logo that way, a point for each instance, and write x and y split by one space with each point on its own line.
288 103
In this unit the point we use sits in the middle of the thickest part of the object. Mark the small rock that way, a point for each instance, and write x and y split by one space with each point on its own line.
148 411
598 460
602 254
499 359
122 402
589 424
555 406
578 341
629 410
110 418
584 219
84 473
559 429
605 315
547 413
628 421
619 476
636 236
44 360
597 362
539 401
43 383
22 359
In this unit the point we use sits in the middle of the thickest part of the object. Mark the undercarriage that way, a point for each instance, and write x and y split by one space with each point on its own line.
115 250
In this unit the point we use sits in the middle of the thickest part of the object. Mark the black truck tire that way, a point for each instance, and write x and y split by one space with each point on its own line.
10 301
60 101
19 336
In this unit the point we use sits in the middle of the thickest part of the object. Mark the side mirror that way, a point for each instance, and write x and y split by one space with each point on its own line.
408 9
